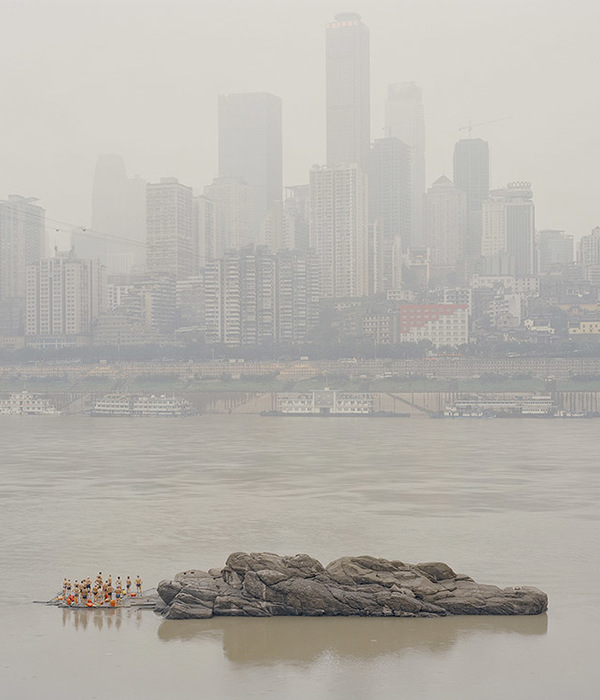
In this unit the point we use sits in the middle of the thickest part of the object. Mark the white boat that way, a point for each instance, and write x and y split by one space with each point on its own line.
25 404
525 406
141 405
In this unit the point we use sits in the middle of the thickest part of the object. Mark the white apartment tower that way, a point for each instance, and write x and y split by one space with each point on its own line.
348 91
588 255
339 230
253 296
589 248
65 296
170 222
493 221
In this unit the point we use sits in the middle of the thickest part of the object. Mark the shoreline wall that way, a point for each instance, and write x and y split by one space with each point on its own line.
254 402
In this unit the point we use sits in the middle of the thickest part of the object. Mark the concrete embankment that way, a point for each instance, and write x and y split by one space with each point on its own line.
416 403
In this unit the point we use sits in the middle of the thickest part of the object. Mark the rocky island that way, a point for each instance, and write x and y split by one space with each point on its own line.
264 585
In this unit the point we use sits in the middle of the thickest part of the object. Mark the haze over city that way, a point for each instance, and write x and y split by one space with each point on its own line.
293 293
142 80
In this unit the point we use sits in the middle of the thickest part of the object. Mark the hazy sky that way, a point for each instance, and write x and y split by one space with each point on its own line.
141 78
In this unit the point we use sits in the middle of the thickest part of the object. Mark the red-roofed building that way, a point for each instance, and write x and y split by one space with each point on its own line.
442 324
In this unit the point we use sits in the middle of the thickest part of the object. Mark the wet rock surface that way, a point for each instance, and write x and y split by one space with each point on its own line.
264 584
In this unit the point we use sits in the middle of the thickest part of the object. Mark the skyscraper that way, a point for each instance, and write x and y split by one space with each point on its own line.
348 108
493 233
135 216
390 204
472 176
520 227
588 255
205 233
277 228
554 250
253 296
118 233
445 219
389 187
250 147
508 231
170 221
65 296
233 213
22 231
338 229
405 120
296 205
589 248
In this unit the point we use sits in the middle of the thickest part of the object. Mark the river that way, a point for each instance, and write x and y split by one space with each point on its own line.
510 502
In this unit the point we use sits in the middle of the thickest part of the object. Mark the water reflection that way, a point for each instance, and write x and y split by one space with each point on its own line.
99 618
302 640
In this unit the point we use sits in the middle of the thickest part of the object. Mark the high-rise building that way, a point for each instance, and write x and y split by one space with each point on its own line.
389 187
277 228
588 255
135 239
390 206
142 311
493 224
205 231
170 222
520 227
298 293
348 106
250 147
417 263
296 205
376 257
508 231
233 213
472 176
445 222
339 230
253 296
22 242
190 302
554 250
65 296
405 120
589 248
118 232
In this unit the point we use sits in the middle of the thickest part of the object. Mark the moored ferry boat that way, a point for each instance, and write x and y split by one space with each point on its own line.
464 412
328 402
25 404
501 406
140 405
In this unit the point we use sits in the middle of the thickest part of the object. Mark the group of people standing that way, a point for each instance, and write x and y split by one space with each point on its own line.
100 592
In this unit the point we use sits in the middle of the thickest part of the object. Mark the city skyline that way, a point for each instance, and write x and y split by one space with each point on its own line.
53 158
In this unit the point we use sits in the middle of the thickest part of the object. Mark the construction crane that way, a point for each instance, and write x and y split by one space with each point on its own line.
470 127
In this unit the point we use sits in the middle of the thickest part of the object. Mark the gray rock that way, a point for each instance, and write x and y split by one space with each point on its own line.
265 584
167 590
